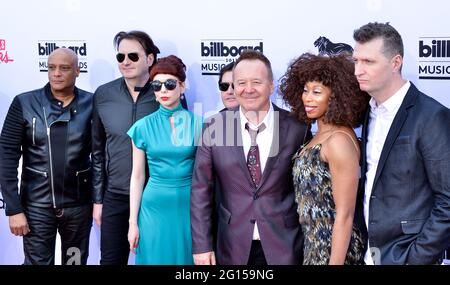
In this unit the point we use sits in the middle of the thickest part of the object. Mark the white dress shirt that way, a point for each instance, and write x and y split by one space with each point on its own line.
264 141
380 121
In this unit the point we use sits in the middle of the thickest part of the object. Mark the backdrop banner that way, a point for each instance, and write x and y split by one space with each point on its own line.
206 35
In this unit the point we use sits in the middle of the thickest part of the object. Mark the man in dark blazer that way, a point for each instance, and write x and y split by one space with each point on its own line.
406 156
257 217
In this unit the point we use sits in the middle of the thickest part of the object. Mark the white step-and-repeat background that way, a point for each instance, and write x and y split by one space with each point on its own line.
206 35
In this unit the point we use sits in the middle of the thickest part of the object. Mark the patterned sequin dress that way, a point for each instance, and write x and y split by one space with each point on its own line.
316 208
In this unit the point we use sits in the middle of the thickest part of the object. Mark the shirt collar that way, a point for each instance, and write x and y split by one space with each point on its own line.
142 88
393 103
268 120
48 93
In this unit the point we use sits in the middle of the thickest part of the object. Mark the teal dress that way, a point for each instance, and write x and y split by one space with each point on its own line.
164 215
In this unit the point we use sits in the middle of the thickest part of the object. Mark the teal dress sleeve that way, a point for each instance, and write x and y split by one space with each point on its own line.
137 134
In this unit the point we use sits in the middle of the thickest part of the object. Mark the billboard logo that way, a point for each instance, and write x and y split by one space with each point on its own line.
4 57
438 48
216 53
434 55
46 47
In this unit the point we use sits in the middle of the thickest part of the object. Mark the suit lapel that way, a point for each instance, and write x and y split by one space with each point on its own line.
364 147
238 150
396 126
279 131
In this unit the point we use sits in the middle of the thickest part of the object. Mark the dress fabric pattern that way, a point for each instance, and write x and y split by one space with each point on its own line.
164 215
316 209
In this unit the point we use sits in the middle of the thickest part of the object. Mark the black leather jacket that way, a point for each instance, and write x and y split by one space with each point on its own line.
37 188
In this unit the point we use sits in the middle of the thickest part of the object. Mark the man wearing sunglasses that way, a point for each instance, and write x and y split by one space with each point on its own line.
117 106
226 87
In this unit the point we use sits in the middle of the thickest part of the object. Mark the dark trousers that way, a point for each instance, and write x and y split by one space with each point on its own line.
73 225
257 256
114 245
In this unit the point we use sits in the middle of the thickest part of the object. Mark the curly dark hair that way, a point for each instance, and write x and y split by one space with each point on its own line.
347 103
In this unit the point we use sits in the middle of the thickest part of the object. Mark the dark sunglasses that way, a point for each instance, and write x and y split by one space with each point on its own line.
169 83
223 86
133 56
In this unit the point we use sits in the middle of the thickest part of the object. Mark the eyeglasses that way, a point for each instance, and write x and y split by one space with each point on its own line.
170 84
223 86
133 56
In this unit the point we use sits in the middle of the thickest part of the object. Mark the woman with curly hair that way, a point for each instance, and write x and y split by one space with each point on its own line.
326 170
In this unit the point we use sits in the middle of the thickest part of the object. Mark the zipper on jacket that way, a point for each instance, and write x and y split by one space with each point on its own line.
81 171
134 112
133 119
135 104
34 130
43 173
51 158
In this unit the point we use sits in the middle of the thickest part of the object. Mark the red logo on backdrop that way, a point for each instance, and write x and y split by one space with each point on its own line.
4 58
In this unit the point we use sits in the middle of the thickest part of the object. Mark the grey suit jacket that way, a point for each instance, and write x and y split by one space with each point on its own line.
221 159
409 211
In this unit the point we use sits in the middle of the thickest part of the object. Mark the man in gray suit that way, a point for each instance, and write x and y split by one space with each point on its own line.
248 149
406 156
